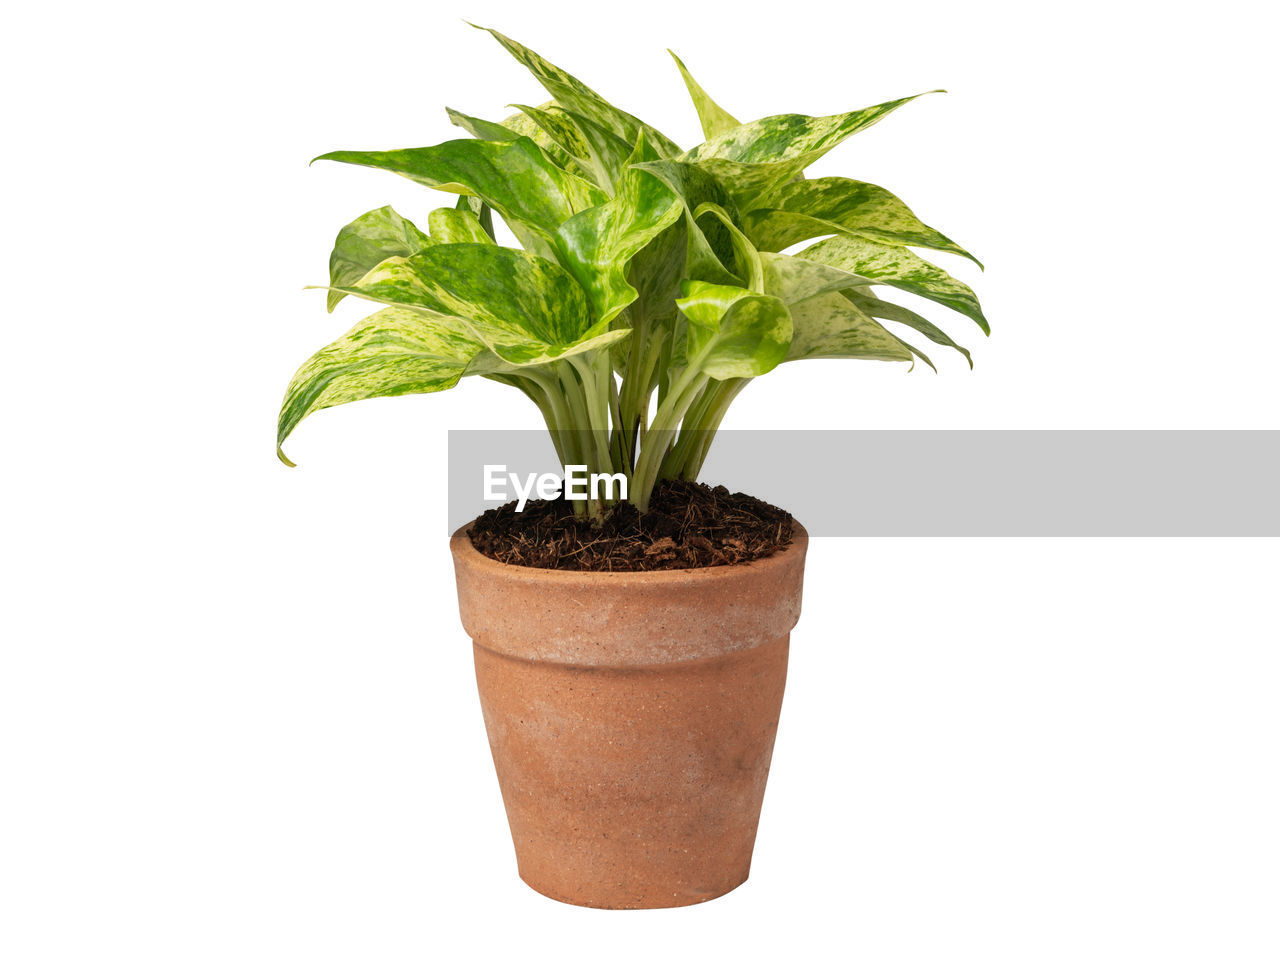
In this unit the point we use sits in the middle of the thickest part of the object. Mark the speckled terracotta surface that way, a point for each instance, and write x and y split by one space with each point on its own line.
631 718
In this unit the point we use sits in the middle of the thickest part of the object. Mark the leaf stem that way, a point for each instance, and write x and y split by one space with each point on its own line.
666 421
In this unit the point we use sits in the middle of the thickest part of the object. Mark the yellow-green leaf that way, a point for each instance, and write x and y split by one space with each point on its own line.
393 352
900 268
573 95
513 177
374 236
715 120
733 333
452 225
831 327
802 210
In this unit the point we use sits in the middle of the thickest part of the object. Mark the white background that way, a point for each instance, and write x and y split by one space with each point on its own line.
237 714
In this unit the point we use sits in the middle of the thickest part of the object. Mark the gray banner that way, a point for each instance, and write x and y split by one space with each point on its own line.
960 483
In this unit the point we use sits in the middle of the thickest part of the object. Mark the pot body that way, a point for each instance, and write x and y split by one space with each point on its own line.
632 718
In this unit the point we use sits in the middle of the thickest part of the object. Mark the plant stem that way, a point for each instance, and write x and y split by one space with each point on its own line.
535 389
562 424
690 428
666 421
724 394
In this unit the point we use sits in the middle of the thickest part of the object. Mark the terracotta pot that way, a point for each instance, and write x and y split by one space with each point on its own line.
631 718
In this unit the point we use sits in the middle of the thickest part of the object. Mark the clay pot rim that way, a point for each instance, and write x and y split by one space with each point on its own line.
461 546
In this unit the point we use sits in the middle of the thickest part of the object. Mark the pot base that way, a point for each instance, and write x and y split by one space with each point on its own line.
675 903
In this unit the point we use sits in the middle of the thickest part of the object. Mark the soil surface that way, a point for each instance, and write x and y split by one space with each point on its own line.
689 525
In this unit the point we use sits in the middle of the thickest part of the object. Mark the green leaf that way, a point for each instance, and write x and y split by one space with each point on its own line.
656 269
709 250
745 256
806 209
734 333
526 309
795 279
484 214
559 127
655 273
715 120
391 353
831 327
513 177
453 225
479 128
880 309
900 268
374 236
917 353
515 126
759 156
597 245
609 155
575 96
599 153
791 137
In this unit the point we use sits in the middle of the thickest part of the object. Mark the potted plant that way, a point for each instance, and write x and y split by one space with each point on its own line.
630 650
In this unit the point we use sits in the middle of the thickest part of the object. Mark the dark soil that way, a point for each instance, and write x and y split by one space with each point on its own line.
688 525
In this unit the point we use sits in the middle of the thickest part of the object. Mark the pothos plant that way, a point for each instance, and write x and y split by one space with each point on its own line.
651 285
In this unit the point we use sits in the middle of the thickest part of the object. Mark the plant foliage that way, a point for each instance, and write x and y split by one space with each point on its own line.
651 284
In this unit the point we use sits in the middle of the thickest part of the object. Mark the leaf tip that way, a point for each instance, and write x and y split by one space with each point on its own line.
284 459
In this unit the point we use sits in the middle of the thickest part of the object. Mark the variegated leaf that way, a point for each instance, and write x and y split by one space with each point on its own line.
483 213
831 327
597 245
795 279
515 126
656 271
715 120
374 236
599 153
757 157
742 184
609 156
526 309
514 177
801 210
733 333
892 312
900 268
453 225
657 268
708 253
481 129
559 128
573 95
746 258
789 137
393 352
